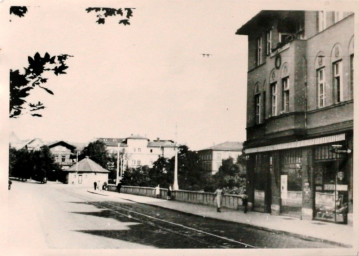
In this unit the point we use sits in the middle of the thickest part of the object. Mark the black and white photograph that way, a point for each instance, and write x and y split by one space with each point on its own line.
130 126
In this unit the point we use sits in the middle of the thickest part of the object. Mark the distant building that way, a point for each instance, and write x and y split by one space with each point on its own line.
211 158
139 151
34 144
300 113
85 173
64 153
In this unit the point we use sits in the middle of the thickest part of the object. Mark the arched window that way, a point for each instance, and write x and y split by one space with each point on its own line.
337 69
320 81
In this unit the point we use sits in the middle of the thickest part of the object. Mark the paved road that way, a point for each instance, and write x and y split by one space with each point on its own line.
63 217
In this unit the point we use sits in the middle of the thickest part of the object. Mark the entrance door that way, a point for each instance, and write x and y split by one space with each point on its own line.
80 178
331 191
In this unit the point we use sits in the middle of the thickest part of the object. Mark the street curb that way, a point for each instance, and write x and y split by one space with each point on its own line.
304 237
97 193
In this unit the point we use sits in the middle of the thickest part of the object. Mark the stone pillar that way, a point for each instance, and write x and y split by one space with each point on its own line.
274 168
307 184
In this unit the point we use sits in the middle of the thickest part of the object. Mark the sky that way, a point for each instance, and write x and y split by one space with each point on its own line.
146 78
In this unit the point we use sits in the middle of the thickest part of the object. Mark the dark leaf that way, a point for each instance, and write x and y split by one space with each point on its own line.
101 21
129 12
37 115
109 11
119 11
18 10
47 90
124 22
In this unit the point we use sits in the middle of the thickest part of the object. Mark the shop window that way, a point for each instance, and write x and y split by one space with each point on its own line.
285 94
337 81
273 88
260 178
321 87
291 165
324 152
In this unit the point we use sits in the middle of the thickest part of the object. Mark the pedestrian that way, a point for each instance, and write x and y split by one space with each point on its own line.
245 201
95 185
169 192
218 198
157 191
119 185
10 182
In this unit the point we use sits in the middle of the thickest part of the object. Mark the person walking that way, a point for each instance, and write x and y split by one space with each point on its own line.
218 198
245 201
169 192
119 185
95 185
157 191
10 182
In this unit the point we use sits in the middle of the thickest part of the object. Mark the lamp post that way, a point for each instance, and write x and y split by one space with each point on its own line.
175 182
118 163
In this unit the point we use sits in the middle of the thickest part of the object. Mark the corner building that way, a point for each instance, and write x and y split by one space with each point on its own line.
299 142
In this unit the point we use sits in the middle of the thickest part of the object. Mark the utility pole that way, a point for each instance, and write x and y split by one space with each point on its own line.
175 182
118 163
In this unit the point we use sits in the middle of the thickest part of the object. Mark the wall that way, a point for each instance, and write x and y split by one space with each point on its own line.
87 178
204 198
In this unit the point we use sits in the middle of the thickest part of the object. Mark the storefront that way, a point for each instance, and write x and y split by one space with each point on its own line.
309 179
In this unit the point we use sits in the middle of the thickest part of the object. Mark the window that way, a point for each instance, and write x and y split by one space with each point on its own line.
351 74
269 42
151 150
257 99
273 88
338 16
321 87
285 94
139 149
337 81
134 150
264 106
138 162
259 51
63 158
322 20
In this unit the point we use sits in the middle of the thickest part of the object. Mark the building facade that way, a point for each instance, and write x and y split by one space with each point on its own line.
211 158
64 153
300 113
136 151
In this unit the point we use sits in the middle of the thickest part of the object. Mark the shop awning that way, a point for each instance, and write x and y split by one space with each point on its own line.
297 144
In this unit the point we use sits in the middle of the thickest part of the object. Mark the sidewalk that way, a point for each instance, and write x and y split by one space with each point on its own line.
337 234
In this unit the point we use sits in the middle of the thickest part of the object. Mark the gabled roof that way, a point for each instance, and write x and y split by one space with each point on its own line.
226 146
62 143
87 165
136 137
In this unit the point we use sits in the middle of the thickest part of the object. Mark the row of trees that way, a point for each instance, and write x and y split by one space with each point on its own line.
38 165
191 176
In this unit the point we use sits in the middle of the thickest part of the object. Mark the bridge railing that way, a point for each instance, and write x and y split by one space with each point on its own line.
196 197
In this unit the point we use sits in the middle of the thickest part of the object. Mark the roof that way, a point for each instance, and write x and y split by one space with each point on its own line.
87 165
62 143
112 142
262 19
161 143
226 146
137 137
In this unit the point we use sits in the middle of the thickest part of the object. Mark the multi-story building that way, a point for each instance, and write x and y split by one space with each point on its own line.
138 151
212 157
64 153
300 113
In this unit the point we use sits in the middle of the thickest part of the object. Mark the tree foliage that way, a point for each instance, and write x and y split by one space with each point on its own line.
97 152
19 11
104 12
231 176
38 165
33 76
